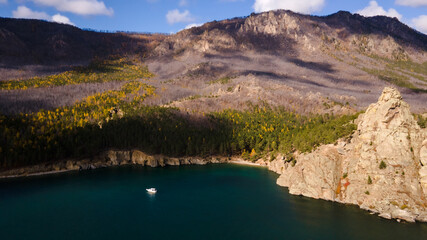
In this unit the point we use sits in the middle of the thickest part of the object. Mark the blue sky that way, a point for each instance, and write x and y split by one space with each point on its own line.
170 16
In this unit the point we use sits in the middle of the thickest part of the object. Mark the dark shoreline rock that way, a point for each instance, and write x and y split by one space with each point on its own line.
108 159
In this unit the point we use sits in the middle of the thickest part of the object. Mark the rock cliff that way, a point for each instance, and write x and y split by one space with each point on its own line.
382 167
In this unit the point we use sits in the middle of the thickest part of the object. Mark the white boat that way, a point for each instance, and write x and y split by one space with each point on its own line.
151 190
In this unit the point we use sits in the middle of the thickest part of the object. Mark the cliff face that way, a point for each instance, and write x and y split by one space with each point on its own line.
382 167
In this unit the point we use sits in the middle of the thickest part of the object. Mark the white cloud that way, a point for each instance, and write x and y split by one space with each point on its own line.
3 1
301 6
175 16
420 23
412 3
24 12
193 25
61 19
374 10
80 7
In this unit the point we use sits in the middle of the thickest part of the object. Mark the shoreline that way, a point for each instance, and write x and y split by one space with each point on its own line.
45 173
113 158
246 163
34 174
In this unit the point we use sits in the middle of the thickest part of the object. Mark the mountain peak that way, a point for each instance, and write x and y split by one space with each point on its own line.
390 94
390 112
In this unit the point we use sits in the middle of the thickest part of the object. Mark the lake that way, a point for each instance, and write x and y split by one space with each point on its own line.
222 201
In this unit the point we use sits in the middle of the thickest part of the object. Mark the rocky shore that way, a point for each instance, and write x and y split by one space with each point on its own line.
382 167
108 159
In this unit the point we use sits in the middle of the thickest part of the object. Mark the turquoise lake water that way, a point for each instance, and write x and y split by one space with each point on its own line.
193 202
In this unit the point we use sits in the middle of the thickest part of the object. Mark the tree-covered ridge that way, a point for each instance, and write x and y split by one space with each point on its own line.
264 130
94 125
112 69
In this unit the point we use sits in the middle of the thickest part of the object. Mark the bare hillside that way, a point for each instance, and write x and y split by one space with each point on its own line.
308 64
337 63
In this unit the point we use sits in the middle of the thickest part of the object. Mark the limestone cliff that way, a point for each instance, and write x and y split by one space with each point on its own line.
382 167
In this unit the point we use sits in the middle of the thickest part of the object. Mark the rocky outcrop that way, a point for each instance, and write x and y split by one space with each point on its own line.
108 159
381 167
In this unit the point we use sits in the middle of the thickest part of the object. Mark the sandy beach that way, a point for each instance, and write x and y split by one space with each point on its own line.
242 162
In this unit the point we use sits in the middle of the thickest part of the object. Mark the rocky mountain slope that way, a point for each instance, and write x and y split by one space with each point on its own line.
288 33
382 167
340 62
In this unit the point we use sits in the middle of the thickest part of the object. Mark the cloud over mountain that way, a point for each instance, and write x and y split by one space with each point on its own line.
373 9
175 16
412 3
420 23
301 6
80 7
25 12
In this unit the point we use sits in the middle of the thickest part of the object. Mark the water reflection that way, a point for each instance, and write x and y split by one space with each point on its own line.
151 196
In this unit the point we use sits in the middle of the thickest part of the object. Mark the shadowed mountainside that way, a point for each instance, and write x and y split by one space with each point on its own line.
38 42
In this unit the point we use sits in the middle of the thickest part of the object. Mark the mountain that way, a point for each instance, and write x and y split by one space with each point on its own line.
26 42
339 62
308 64
289 33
